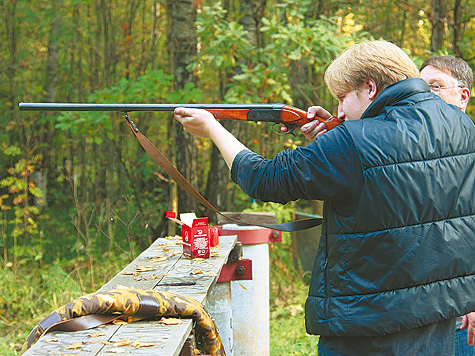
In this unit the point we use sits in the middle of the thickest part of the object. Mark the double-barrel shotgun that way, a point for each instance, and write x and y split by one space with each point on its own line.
277 113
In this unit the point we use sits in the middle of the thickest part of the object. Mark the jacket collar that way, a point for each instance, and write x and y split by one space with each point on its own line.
395 93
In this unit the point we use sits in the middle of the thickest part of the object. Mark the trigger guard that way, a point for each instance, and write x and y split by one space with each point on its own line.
290 129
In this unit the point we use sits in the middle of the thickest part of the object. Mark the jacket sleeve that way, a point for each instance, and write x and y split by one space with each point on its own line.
327 169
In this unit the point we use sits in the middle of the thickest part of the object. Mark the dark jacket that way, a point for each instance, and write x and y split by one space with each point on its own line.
397 249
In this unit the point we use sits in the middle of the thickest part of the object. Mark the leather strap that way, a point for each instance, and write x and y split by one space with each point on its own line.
54 322
84 322
172 172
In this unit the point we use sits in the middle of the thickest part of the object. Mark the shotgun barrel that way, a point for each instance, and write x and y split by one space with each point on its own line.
276 112
141 107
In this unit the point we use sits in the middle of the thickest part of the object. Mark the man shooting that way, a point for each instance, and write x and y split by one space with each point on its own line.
394 265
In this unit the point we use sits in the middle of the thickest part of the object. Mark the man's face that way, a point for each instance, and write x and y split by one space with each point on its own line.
353 104
443 85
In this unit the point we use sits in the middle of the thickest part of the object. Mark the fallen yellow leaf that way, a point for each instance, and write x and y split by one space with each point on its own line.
170 321
119 322
97 334
138 345
158 259
123 342
74 346
142 269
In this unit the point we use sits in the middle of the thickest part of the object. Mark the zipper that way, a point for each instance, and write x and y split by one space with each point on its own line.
326 309
326 279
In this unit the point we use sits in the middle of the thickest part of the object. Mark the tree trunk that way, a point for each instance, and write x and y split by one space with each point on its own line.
11 28
9 15
438 20
253 11
182 50
458 27
50 89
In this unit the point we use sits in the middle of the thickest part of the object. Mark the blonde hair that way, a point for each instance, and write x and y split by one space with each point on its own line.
381 61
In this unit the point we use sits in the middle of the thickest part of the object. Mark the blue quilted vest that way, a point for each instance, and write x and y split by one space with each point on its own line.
406 257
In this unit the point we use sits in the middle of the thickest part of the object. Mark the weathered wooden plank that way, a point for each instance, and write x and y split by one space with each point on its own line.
149 267
164 340
197 276
198 291
57 342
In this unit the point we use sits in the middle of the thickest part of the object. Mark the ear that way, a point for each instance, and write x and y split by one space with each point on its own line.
464 98
372 88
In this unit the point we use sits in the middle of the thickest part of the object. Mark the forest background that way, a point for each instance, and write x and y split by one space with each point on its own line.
79 198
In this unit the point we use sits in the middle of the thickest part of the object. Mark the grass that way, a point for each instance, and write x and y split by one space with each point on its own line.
26 296
288 292
287 328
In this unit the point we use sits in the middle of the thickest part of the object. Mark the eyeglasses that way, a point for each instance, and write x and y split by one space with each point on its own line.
437 88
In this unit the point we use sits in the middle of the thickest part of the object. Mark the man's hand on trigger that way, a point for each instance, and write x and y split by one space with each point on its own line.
315 128
196 122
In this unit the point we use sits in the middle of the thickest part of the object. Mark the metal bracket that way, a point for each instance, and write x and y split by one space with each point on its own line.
236 253
234 271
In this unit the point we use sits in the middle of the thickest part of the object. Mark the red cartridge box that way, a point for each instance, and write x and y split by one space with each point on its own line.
195 234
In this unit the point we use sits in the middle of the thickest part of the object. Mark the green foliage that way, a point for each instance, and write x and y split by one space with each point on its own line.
262 73
223 40
23 222
283 213
314 41
151 87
